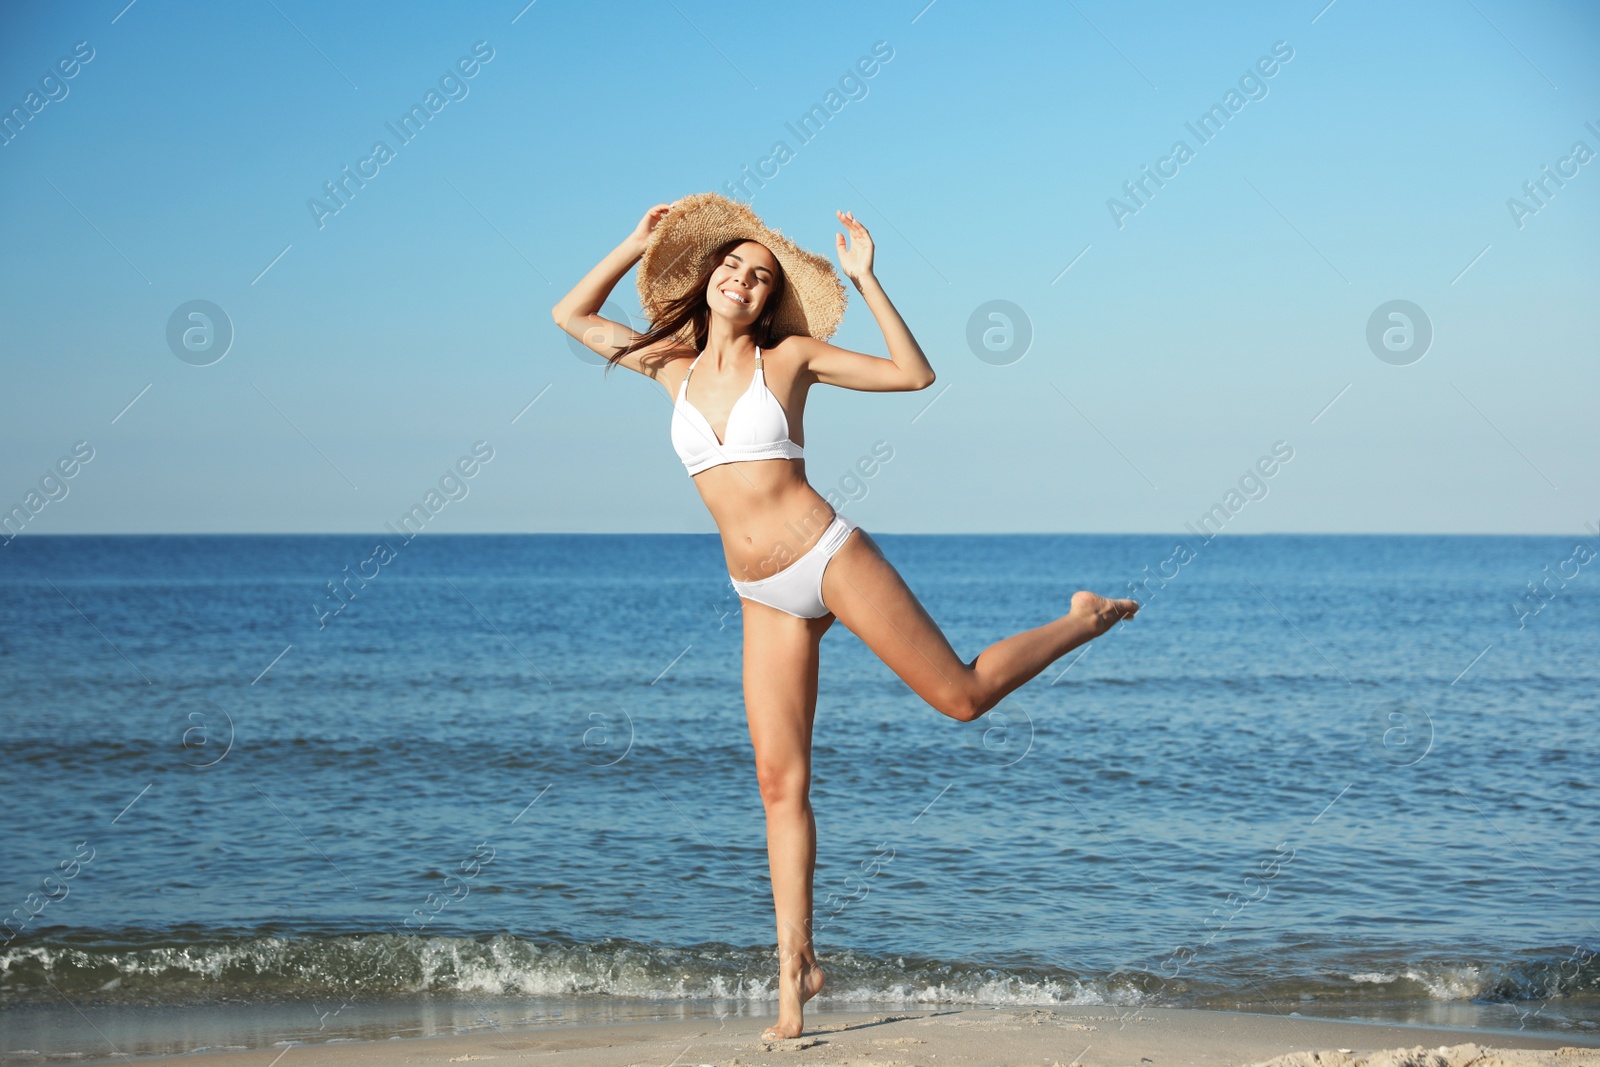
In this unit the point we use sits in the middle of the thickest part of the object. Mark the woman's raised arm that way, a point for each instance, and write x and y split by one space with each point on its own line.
578 312
906 368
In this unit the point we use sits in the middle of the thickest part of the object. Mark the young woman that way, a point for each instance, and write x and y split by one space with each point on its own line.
723 290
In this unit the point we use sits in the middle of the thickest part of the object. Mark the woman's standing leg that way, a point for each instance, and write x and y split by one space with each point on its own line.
780 696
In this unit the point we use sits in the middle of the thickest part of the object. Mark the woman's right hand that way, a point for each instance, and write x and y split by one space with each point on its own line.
640 238
578 312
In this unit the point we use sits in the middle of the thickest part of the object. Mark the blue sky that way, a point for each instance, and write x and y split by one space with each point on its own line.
373 347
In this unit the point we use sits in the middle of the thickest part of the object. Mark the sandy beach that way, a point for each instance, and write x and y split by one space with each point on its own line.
979 1037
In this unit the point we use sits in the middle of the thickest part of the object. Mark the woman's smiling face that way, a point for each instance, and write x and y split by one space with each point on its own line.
742 283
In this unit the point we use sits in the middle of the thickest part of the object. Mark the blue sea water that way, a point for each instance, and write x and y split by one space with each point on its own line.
510 779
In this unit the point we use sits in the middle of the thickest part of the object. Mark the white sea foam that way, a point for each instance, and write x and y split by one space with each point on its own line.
377 965
1450 982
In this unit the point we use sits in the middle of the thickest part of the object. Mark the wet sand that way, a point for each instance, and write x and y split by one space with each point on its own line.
980 1037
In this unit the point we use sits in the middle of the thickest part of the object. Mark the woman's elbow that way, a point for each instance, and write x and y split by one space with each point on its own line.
923 383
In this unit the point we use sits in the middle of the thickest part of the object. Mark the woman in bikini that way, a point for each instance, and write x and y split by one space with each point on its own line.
722 289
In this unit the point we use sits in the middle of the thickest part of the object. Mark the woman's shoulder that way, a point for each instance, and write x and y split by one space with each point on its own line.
795 354
794 348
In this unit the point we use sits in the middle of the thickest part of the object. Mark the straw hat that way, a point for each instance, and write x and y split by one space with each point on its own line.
813 296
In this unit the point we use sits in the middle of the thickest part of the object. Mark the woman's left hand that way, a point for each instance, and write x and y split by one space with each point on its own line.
856 259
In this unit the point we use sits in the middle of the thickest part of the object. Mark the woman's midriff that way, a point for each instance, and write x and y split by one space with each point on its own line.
767 513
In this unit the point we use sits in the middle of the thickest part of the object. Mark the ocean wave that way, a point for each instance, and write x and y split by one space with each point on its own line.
260 967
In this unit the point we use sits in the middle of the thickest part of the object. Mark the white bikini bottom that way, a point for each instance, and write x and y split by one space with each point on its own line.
797 589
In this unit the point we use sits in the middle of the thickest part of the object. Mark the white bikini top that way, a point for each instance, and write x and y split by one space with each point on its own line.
757 427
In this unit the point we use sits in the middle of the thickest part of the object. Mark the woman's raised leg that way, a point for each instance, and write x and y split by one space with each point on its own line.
868 595
780 697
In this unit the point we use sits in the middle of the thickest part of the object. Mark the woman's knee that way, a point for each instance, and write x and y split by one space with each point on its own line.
963 709
963 703
783 784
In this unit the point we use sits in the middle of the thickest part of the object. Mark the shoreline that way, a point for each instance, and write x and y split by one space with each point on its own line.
1087 1036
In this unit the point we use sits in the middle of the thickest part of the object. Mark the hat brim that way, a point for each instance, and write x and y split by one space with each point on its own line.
813 299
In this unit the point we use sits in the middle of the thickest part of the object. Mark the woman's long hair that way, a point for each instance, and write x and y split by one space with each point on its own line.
691 309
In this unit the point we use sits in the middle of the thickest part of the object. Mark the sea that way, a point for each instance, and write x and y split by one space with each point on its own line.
269 791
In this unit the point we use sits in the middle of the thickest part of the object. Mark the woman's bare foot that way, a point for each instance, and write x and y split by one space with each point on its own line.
790 1022
1099 612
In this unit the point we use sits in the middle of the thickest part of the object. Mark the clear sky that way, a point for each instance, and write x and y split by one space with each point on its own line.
1370 153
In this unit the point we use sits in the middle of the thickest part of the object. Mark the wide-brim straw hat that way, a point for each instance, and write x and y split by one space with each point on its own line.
813 296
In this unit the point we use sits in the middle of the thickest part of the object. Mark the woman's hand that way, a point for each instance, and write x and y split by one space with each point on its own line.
578 313
639 239
906 367
855 260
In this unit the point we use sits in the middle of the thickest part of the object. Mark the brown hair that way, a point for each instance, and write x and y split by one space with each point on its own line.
691 309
